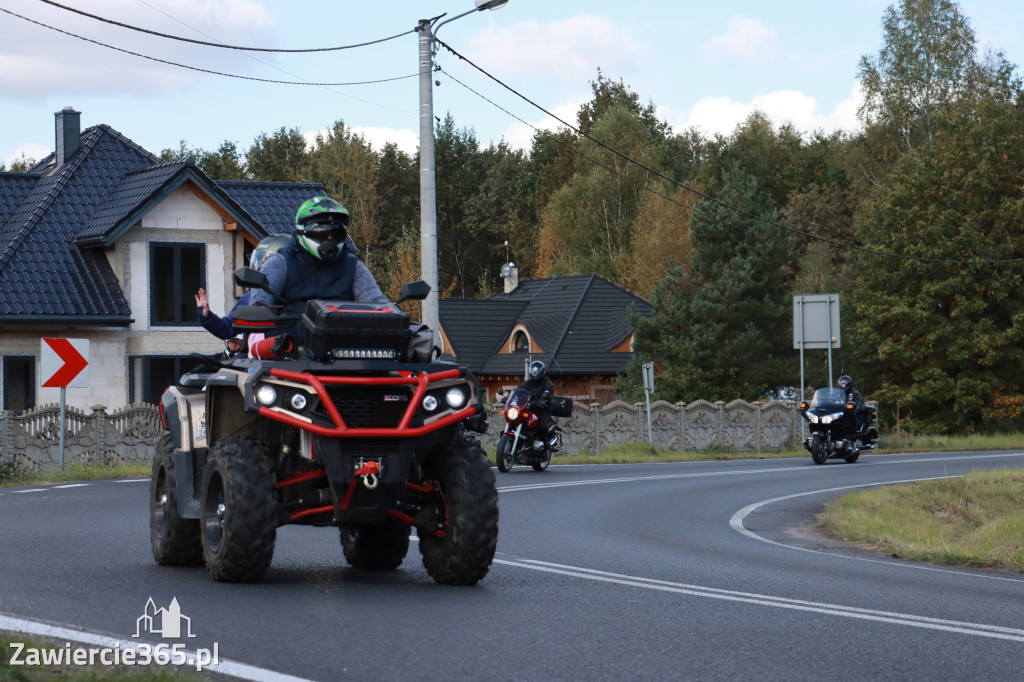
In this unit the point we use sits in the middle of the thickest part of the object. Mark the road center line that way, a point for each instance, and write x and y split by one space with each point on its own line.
976 629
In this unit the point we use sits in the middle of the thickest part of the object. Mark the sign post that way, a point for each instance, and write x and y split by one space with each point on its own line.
648 372
815 325
64 363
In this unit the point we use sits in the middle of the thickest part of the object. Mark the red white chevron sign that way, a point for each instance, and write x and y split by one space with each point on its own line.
64 363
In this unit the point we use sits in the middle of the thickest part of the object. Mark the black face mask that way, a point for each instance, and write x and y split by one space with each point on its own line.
328 250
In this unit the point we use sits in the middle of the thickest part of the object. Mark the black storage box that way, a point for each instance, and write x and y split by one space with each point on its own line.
346 330
561 407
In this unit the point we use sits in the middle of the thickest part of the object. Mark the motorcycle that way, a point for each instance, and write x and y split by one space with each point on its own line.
521 442
834 429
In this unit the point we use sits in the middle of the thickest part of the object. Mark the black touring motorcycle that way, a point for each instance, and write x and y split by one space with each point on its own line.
356 429
834 428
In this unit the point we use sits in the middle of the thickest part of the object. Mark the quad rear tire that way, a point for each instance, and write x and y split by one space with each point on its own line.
238 510
463 555
175 540
375 547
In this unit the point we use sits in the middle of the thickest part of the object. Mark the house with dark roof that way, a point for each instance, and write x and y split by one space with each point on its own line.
578 326
101 240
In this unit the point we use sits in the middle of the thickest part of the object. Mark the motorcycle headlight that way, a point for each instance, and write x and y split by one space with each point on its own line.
829 418
512 414
813 418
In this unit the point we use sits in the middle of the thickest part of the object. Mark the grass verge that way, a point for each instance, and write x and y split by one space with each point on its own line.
971 520
76 472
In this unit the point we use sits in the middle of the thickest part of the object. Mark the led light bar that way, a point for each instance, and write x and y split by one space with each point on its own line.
364 353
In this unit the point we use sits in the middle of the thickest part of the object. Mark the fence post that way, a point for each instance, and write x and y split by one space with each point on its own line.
99 414
596 421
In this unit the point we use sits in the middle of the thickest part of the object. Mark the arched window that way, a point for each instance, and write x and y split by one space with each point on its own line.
520 341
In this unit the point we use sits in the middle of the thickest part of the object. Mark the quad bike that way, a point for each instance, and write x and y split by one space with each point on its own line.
354 429
835 431
521 441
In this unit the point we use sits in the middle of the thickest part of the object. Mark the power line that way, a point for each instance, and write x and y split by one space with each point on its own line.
212 44
196 68
711 199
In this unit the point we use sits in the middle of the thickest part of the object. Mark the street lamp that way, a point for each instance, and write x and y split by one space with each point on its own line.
428 187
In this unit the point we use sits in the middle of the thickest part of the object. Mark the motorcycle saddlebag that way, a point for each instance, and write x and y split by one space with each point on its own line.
561 407
348 330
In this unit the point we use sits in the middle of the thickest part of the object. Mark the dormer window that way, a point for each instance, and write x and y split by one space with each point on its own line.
520 341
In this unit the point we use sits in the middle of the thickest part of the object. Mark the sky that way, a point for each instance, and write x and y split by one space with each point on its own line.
704 65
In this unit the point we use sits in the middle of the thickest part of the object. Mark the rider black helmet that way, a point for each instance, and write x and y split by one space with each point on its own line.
845 383
538 370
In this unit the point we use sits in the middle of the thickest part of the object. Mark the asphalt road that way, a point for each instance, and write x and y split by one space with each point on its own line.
706 570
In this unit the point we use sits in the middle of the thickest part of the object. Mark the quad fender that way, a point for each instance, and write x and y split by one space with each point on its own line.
225 405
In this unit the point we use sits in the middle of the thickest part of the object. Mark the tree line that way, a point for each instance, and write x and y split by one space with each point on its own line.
914 219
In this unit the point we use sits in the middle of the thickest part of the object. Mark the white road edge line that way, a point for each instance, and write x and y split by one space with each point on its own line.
736 523
976 629
225 667
71 485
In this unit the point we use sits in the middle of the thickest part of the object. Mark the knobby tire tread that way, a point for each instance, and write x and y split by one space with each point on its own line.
250 522
464 555
181 542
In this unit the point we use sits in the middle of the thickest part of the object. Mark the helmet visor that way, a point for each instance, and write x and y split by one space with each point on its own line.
325 232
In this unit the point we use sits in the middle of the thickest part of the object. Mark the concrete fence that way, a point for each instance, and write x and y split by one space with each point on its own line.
32 439
700 425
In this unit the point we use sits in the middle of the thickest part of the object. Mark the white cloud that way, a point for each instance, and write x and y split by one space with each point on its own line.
30 151
747 41
36 61
721 115
520 135
407 140
568 51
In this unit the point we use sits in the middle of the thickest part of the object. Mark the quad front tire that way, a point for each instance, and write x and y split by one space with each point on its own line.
463 549
238 510
175 540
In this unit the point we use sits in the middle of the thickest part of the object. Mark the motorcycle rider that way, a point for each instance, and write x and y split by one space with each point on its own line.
221 326
541 389
318 262
861 409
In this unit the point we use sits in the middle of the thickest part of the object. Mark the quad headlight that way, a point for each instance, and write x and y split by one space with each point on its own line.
298 401
455 397
430 403
266 395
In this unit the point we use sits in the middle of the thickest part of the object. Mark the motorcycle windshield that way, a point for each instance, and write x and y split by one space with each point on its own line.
828 396
519 398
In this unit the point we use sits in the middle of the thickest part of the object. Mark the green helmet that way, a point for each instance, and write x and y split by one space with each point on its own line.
267 247
321 227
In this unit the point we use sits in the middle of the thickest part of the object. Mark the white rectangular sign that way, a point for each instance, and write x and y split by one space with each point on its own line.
64 363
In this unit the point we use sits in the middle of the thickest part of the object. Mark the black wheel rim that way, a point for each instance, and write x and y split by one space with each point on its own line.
214 511
508 457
